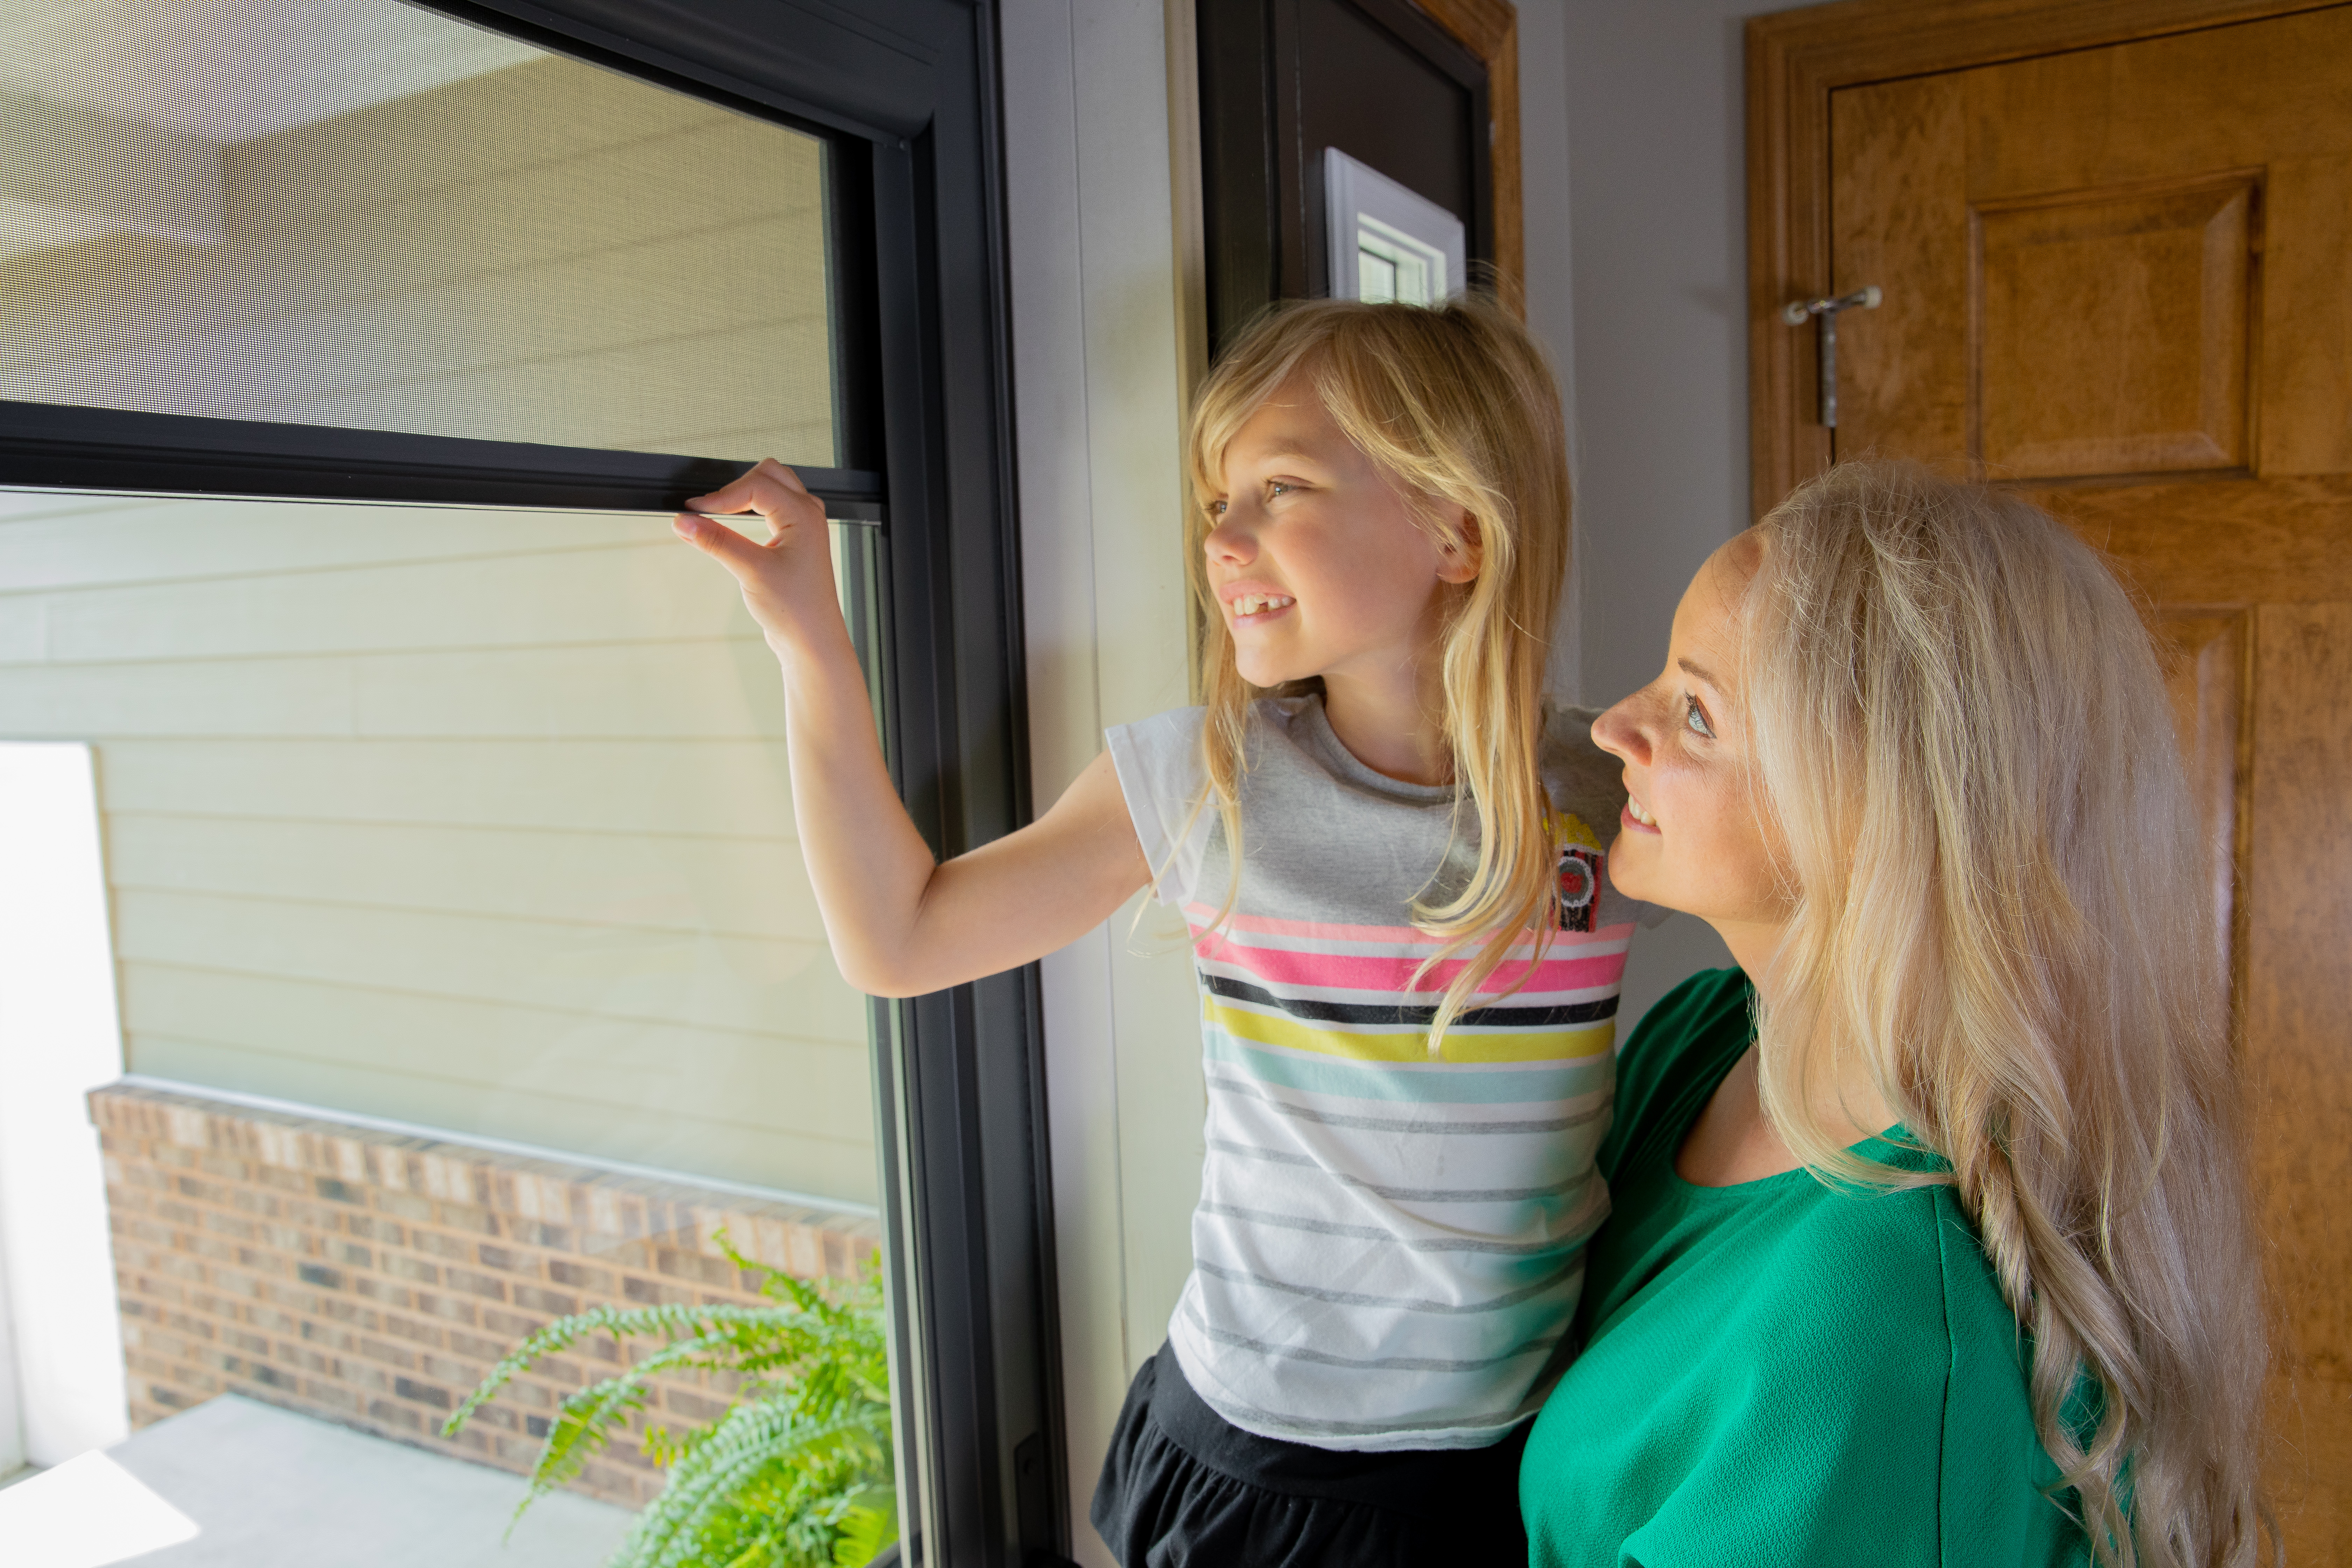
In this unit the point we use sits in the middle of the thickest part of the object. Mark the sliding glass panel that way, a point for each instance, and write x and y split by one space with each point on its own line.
360 214
469 977
440 962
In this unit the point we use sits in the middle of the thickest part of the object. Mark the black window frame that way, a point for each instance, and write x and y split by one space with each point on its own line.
907 91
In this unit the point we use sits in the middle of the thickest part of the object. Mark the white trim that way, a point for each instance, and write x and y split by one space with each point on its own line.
1097 226
506 1146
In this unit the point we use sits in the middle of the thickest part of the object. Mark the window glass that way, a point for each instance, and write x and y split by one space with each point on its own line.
457 969
364 214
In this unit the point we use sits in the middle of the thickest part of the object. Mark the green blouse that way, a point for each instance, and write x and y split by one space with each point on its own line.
1779 1372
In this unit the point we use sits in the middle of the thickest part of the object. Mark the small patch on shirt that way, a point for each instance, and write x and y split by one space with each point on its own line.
1576 897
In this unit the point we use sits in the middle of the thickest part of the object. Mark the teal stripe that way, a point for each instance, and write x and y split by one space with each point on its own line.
1452 1083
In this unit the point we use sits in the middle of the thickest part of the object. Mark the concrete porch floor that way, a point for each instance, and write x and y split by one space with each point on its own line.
264 1487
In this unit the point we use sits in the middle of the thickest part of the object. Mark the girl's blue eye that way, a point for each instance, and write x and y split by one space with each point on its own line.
1695 717
1278 486
1216 509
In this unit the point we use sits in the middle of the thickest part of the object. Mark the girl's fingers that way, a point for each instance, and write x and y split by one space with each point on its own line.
742 494
730 549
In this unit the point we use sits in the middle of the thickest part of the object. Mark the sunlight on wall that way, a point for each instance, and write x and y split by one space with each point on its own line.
58 1041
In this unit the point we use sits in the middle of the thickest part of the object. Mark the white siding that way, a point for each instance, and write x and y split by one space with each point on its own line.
478 819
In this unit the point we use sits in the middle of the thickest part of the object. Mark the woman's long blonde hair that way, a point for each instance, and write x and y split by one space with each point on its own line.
1457 405
1962 734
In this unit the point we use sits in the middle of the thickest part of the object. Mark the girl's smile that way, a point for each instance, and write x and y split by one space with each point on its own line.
1249 601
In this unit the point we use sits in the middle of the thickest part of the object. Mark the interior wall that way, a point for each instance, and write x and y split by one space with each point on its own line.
1101 351
1656 194
1551 297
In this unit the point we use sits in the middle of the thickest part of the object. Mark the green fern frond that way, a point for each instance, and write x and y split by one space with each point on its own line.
864 1532
748 1439
795 1474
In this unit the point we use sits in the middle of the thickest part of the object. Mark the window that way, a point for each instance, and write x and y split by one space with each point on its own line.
353 354
1387 242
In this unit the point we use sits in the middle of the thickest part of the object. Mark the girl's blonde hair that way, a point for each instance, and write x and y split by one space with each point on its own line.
1457 405
1999 901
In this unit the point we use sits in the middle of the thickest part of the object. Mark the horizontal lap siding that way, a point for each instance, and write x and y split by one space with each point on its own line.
475 819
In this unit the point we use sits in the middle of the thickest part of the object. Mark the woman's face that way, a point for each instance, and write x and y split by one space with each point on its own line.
1691 837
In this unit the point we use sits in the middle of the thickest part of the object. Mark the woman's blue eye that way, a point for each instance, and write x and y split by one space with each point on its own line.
1696 717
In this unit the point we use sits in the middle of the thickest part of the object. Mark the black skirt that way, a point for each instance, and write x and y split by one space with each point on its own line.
1184 1487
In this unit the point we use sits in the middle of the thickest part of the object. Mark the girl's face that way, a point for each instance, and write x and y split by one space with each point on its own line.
1315 557
1692 837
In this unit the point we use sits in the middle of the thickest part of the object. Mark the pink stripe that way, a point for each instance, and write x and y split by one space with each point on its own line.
1359 971
1201 915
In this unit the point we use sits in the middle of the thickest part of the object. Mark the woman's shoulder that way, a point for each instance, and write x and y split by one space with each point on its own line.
1890 1297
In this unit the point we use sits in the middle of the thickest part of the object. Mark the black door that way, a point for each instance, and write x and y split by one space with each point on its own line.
1283 79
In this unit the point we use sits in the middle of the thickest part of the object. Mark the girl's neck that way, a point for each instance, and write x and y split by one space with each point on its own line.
1392 725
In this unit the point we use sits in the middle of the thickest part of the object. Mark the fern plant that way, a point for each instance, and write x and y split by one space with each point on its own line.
796 1474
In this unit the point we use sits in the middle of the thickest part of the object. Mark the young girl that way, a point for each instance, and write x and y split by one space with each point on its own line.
1931 1241
1385 843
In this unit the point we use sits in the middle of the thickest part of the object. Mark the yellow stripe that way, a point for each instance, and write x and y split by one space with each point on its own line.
1461 1044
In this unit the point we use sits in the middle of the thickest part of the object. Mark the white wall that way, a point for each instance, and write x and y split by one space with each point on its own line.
1657 203
1098 384
59 1038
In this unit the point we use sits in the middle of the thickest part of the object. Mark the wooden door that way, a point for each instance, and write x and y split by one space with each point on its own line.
2120 279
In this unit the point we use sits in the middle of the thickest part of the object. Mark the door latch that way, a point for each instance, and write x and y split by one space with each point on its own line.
1824 314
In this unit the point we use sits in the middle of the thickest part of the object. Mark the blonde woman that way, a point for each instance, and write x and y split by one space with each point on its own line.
1387 847
1931 1241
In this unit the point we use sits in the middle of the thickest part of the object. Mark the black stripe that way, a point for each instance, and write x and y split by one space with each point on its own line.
1501 1013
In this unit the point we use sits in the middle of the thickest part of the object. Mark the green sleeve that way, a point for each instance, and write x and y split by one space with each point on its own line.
1678 1052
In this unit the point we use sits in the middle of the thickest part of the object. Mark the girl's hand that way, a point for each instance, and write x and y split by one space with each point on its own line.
787 581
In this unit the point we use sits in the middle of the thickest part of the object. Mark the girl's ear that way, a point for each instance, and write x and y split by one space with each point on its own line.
1459 563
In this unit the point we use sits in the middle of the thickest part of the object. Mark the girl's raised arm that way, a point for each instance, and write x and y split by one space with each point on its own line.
901 923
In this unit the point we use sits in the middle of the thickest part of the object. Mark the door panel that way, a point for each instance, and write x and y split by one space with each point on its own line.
2117 278
2110 328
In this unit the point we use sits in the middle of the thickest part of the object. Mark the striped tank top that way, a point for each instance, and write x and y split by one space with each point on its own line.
1388 1247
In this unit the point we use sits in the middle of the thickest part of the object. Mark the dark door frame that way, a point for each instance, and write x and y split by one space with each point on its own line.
1261 203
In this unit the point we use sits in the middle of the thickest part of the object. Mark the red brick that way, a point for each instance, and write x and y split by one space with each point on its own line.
475 1284
216 1210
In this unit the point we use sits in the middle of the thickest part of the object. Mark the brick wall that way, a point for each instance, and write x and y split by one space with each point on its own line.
375 1279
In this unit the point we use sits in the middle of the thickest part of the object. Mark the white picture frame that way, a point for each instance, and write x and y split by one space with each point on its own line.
1386 241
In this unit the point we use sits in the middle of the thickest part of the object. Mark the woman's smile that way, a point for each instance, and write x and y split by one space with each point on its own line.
1638 819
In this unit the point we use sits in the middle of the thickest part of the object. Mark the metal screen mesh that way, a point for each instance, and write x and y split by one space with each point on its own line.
356 213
